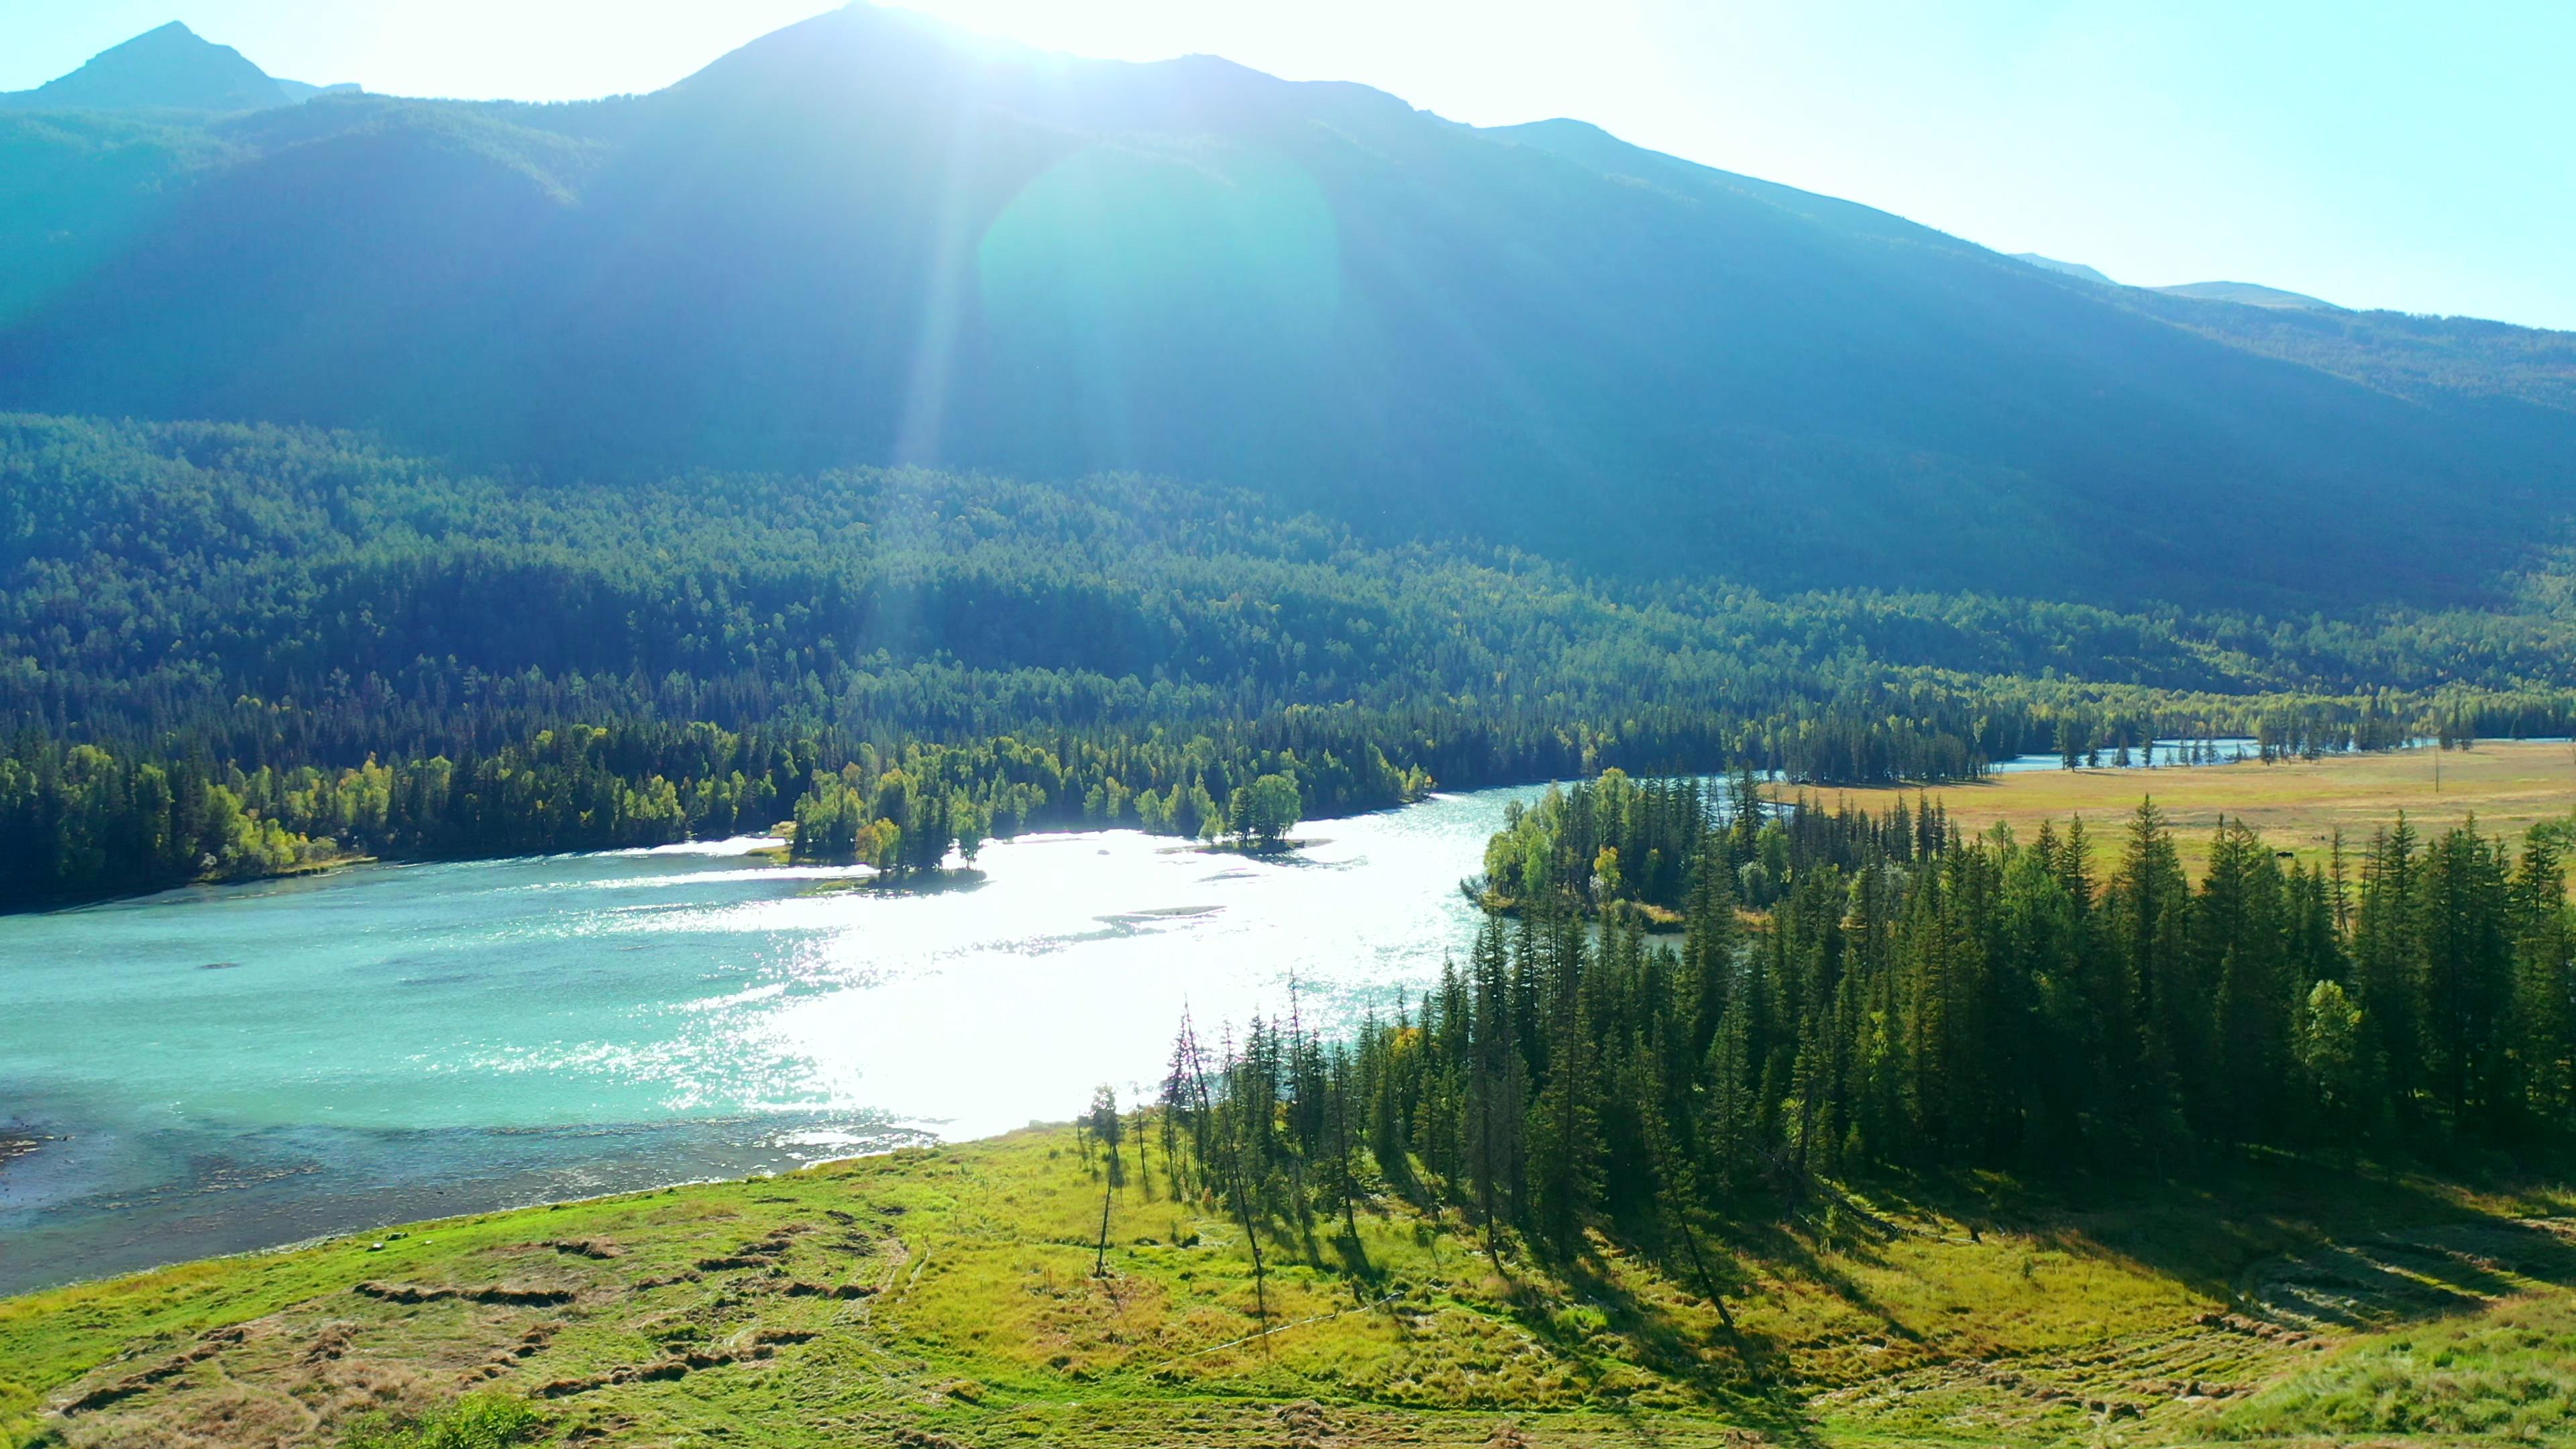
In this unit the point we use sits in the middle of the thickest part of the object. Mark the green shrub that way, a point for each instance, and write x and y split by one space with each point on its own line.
477 1421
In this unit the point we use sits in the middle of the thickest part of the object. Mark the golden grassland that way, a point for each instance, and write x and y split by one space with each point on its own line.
2506 786
946 1297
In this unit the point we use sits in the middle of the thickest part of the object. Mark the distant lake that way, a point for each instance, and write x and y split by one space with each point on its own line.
235 1067
2156 754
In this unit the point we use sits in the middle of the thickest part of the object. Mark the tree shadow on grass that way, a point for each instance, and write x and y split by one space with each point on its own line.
2301 1240
1733 1373
1792 1243
2387 1279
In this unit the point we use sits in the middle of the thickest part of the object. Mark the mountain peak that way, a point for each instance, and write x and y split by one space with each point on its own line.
169 67
856 44
2070 269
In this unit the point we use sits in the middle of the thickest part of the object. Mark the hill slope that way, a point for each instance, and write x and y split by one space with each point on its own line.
2070 269
2249 294
946 1298
864 240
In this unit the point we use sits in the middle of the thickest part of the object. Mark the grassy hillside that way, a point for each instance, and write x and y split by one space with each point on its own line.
947 1297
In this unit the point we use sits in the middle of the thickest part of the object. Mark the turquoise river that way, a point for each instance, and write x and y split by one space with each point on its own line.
227 1068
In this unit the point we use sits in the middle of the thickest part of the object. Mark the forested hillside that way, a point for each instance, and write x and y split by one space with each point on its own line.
865 241
229 650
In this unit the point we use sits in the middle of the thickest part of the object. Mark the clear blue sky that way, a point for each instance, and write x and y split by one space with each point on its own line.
2417 156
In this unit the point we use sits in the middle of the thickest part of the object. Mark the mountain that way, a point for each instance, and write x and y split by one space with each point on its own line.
865 240
2070 269
2248 293
166 69
2424 358
297 91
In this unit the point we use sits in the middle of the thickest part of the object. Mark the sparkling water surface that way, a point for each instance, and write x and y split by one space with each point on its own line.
224 1068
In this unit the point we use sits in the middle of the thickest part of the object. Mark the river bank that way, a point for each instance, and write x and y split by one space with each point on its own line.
947 1296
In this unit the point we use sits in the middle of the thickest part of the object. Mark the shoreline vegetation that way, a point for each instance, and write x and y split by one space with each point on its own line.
1112 652
2298 799
890 821
2302 806
901 826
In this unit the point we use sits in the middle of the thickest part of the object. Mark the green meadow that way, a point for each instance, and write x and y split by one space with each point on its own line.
948 1297
2504 787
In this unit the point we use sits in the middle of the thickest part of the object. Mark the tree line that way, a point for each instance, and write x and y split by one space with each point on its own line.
80 821
1914 999
222 647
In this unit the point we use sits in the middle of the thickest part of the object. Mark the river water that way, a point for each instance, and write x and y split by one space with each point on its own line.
225 1068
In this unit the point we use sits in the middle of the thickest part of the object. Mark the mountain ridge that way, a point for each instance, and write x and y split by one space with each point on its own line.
2250 294
169 67
2071 269
861 240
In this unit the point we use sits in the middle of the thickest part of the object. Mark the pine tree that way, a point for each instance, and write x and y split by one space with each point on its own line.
1109 1129
1497 1088
2542 1043
2238 939
2468 978
2149 911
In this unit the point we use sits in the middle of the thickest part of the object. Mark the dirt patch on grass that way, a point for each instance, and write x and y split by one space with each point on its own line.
502 1295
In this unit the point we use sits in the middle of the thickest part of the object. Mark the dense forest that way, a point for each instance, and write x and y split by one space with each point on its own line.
226 651
1911 1000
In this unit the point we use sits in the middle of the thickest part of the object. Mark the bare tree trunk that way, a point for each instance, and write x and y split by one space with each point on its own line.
1108 1186
1242 1195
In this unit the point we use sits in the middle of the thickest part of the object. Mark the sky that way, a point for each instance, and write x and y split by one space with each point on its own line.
2413 156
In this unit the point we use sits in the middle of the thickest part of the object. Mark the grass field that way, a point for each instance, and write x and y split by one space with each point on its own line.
945 1297
2506 785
